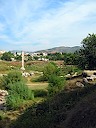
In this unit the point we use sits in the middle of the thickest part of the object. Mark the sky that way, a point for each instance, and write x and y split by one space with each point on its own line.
32 25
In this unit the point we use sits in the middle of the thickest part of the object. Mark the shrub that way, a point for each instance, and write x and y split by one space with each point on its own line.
56 84
22 90
18 92
13 101
12 78
7 56
50 69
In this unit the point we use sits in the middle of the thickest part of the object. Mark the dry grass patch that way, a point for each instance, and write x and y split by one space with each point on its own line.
38 85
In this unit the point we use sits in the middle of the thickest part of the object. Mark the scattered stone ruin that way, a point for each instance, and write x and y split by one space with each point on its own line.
3 94
79 84
26 74
89 75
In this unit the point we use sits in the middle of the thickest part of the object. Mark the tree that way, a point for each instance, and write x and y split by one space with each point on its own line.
35 57
29 57
88 53
7 56
55 56
69 58
18 57
50 69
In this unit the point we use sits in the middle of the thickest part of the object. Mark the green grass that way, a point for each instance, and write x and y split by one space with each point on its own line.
2 115
34 85
47 113
5 66
35 65
70 69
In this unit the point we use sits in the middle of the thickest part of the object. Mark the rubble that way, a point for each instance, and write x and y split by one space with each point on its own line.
3 94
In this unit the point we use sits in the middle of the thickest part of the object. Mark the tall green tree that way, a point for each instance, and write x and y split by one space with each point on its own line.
88 53
49 69
18 57
7 56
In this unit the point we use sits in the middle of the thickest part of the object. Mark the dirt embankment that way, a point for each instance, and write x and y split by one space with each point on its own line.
83 115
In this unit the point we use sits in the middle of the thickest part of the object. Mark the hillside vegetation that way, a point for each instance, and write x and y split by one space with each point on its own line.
74 108
63 103
69 109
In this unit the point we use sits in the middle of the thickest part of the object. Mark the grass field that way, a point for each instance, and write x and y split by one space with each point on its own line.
54 109
38 85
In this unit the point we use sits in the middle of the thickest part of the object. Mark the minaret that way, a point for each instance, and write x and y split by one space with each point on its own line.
22 68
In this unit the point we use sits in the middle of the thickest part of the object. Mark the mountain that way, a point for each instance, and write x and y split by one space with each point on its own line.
62 49
53 50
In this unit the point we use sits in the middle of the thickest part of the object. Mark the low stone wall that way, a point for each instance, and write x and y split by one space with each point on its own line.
89 72
3 94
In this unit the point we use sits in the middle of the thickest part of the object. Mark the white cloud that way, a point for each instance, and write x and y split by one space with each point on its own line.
29 23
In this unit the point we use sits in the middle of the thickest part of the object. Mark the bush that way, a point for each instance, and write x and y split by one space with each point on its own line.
50 69
12 78
13 101
7 56
18 92
22 90
56 84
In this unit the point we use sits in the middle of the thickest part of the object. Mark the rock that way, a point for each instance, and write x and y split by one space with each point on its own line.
79 84
75 74
3 94
68 76
85 80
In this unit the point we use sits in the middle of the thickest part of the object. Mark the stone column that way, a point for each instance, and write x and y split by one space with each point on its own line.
22 68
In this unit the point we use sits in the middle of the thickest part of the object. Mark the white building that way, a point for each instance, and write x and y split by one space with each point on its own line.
2 51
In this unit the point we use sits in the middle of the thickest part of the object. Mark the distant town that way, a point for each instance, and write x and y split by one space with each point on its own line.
27 55
43 55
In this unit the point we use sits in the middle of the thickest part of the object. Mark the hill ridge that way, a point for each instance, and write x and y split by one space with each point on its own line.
54 49
61 49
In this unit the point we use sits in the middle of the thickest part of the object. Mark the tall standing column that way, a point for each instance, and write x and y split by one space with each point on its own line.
22 61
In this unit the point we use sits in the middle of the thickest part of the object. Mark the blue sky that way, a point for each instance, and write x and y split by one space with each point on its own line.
32 25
